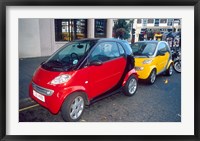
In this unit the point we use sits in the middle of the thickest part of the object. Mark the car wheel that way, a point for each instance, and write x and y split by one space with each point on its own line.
131 85
73 107
152 77
169 71
177 66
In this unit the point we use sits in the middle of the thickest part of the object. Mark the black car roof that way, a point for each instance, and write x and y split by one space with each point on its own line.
152 41
101 39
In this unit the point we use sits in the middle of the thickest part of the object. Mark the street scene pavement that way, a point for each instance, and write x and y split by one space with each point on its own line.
160 102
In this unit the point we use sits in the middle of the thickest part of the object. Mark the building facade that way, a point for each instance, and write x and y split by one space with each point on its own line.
42 37
156 25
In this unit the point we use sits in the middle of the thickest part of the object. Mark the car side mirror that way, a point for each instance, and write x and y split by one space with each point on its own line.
159 53
96 63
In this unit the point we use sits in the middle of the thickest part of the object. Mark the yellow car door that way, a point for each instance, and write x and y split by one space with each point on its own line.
162 57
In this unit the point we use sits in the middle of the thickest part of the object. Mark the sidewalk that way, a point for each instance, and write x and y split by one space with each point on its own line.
27 66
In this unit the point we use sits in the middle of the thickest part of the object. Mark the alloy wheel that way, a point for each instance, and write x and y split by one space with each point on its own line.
132 86
153 76
170 70
76 108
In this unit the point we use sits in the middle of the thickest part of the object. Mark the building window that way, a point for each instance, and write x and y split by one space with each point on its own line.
70 29
139 21
170 22
100 28
156 22
163 20
150 21
177 21
144 22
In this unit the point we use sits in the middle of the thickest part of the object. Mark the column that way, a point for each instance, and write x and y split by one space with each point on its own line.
137 30
90 28
109 28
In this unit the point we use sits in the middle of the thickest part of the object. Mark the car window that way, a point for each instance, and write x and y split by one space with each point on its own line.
162 47
149 49
105 51
68 56
121 50
127 48
144 48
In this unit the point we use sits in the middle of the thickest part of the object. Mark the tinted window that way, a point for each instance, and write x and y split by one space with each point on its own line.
105 51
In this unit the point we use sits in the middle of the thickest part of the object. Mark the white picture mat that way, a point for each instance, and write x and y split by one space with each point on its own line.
185 127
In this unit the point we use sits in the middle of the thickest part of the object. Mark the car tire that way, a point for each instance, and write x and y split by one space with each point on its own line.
169 71
73 107
131 85
152 77
177 66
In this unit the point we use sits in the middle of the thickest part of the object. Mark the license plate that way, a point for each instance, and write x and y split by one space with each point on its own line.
39 96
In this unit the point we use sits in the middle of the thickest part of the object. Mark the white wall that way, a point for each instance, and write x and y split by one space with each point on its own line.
29 38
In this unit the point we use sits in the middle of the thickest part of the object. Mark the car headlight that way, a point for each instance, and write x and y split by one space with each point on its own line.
61 79
139 68
147 61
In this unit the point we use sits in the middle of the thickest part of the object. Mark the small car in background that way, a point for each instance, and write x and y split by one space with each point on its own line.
152 58
81 71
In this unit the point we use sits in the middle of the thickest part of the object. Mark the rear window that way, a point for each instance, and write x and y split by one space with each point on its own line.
128 48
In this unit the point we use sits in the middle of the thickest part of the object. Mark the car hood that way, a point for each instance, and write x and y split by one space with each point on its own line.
139 61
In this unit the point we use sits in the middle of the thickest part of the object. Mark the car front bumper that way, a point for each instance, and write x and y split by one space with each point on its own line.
52 102
143 71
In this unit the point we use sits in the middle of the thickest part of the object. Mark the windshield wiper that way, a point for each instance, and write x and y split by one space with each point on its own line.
147 55
140 54
58 65
55 62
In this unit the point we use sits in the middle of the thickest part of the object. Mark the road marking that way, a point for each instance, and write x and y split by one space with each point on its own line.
29 107
25 99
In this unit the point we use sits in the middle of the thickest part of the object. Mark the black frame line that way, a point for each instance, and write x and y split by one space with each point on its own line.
5 3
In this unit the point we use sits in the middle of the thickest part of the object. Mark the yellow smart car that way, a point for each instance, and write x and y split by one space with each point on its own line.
152 58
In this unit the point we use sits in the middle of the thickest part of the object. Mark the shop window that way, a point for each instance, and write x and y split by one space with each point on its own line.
70 29
100 28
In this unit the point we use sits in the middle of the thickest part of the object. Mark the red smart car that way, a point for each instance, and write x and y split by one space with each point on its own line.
81 71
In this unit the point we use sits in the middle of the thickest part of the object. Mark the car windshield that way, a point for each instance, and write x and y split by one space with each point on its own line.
69 56
144 48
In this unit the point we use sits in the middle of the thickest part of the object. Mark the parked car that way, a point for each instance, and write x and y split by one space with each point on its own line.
80 72
152 58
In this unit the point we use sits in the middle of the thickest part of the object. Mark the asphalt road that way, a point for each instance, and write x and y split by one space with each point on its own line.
160 102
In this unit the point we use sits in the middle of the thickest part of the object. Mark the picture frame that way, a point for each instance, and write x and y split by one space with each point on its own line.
4 86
